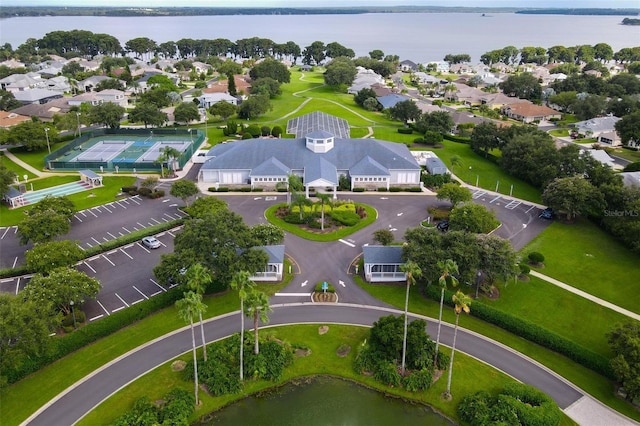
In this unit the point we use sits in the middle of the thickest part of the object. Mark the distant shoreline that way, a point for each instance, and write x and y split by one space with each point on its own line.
34 11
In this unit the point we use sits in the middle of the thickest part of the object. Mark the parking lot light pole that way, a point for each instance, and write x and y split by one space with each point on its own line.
46 133
73 314
79 131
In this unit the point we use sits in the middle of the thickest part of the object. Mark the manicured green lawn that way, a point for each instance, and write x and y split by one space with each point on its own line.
35 158
81 200
18 170
627 154
584 256
486 172
469 375
558 310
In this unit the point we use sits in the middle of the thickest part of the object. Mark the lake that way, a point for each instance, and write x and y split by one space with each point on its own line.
420 37
322 402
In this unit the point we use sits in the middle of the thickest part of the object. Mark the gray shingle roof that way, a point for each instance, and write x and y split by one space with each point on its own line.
276 253
382 254
271 167
389 101
368 167
293 153
320 168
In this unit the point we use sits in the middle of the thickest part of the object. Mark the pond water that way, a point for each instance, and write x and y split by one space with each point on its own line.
325 401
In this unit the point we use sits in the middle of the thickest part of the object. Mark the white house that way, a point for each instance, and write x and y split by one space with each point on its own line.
208 99
114 96
382 263
275 265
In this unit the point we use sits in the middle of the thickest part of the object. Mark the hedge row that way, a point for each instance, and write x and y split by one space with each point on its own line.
533 333
458 139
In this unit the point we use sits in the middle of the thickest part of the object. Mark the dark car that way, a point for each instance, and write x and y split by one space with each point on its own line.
443 225
547 213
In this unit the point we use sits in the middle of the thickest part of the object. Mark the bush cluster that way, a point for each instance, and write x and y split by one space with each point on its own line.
533 333
516 404
219 189
175 409
143 191
405 131
345 217
435 181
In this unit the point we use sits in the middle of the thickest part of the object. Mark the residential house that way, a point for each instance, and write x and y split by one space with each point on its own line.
13 63
201 67
383 263
381 89
441 66
59 84
595 127
114 96
320 154
275 265
46 111
424 78
208 99
10 119
18 82
499 100
602 156
389 101
528 112
90 98
365 78
465 94
631 178
408 66
89 84
36 96
243 85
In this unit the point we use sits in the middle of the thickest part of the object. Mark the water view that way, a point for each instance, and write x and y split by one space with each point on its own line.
420 37
325 402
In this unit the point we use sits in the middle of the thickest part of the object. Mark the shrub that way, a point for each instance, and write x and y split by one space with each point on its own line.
387 373
535 258
418 140
265 130
456 139
358 189
345 217
276 131
257 189
145 192
246 136
435 181
382 189
405 131
524 269
395 189
418 380
253 130
245 189
415 189
632 167
158 193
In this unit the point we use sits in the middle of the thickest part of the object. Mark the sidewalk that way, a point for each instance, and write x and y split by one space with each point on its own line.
586 295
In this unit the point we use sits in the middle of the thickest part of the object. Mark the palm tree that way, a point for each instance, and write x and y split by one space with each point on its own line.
324 199
258 308
188 308
413 271
294 184
301 200
170 153
197 279
242 283
455 161
461 302
448 267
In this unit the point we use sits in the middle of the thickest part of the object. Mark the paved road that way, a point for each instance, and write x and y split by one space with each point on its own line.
84 396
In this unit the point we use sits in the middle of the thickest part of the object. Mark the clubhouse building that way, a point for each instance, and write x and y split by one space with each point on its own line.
321 152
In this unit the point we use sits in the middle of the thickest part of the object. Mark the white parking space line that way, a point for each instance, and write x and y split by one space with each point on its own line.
128 232
170 233
143 295
96 317
103 308
135 201
293 294
161 288
347 243
96 208
137 301
121 299
530 208
126 254
512 205
141 225
495 199
6 280
108 260
112 236
83 213
89 266
109 253
17 285
120 204
119 309
144 248
15 261
5 233
155 220
165 220
156 293
105 207
76 216
97 242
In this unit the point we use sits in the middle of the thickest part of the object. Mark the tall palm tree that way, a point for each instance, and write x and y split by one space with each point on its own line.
448 267
461 303
455 161
243 284
188 308
413 271
198 277
258 308
324 199
170 153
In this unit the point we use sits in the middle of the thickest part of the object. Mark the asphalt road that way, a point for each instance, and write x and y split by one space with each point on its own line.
85 395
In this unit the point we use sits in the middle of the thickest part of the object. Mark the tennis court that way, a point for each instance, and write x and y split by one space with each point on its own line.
125 149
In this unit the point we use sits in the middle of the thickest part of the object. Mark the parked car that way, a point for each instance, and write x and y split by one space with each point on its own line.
443 225
151 242
547 213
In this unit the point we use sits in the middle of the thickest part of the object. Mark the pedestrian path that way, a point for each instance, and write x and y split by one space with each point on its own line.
586 295
24 165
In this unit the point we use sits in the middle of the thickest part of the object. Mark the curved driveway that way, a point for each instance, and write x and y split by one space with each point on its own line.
86 394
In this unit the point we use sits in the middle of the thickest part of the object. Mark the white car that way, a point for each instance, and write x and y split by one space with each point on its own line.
151 242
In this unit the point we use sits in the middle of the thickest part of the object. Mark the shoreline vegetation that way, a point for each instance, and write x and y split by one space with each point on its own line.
31 11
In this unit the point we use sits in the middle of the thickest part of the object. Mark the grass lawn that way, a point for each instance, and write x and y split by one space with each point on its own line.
18 170
469 375
560 311
586 257
81 200
488 173
35 158
627 154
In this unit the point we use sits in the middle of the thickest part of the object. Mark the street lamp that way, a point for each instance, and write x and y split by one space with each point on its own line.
191 135
46 133
79 131
73 313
